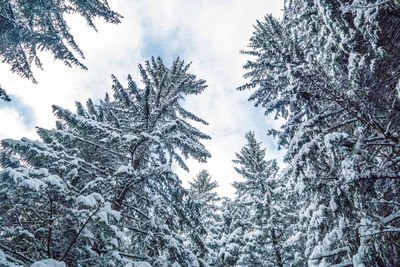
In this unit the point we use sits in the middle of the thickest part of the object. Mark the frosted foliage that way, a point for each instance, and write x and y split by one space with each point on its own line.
330 69
34 184
205 242
5 262
99 188
48 263
398 89
255 233
30 26
141 264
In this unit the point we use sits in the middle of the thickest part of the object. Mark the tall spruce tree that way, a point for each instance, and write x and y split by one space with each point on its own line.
261 194
202 191
231 241
30 26
206 200
330 69
99 189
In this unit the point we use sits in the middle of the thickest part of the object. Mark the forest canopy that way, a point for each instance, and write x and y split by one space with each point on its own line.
102 188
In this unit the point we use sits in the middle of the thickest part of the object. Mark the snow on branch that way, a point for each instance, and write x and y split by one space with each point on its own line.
391 218
331 253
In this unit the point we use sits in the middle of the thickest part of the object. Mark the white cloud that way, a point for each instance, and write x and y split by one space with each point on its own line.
10 128
209 33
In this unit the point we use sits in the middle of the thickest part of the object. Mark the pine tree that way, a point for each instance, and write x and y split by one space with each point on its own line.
102 180
202 191
261 194
31 26
231 241
330 70
48 214
205 199
163 136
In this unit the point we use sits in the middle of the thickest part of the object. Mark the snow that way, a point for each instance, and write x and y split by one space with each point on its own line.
398 89
348 169
114 135
118 233
4 262
116 255
43 171
332 138
33 183
73 173
253 235
130 137
54 180
34 143
141 264
124 169
333 204
90 200
114 242
294 238
102 216
172 243
299 187
116 214
357 262
2 256
48 263
160 202
318 255
390 218
15 174
232 246
342 223
86 201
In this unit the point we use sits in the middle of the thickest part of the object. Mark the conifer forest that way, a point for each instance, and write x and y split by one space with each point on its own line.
101 186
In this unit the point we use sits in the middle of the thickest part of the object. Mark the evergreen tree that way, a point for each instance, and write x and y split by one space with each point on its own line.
99 190
29 26
202 191
48 214
234 222
330 70
261 194
205 200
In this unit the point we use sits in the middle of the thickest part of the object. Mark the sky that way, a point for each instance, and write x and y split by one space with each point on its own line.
208 33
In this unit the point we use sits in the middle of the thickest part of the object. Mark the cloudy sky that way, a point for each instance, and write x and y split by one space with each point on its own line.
209 33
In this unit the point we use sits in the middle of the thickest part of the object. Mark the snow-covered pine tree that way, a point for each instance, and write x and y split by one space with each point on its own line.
29 26
162 135
101 181
205 201
234 221
47 213
260 193
331 70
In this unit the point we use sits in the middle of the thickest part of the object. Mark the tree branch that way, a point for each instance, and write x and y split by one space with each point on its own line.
79 232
